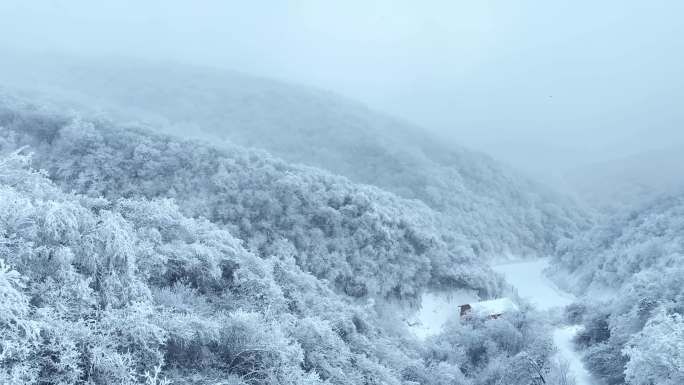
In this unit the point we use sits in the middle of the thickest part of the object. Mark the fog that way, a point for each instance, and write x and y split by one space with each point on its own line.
545 86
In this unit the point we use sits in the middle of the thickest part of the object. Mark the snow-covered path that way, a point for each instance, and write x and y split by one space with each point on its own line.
562 337
532 284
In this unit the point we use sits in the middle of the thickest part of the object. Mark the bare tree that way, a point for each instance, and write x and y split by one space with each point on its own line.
560 373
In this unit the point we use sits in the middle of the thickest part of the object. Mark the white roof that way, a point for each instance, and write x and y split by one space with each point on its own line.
494 306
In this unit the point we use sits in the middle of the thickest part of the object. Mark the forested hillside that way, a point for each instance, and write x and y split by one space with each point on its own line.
631 268
138 258
497 210
366 241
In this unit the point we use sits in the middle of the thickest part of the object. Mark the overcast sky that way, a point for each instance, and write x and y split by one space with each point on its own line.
542 84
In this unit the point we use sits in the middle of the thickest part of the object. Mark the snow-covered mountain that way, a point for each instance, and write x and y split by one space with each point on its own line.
337 230
141 254
141 258
498 211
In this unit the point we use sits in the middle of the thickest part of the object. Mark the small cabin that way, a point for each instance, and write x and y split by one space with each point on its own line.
491 309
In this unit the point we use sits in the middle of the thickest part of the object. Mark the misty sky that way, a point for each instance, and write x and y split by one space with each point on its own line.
544 85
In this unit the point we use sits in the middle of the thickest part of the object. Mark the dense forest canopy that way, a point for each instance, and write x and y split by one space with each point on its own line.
140 258
337 230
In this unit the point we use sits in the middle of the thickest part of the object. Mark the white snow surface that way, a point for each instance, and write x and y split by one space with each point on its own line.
562 338
436 309
532 284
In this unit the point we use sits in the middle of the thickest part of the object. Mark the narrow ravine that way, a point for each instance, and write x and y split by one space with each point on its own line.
532 284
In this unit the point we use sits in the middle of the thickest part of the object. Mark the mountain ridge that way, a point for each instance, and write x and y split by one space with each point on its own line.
501 212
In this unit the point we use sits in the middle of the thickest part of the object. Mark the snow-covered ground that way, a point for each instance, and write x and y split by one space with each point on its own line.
532 284
436 310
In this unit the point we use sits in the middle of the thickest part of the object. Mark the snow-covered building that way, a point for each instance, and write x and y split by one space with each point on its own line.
488 309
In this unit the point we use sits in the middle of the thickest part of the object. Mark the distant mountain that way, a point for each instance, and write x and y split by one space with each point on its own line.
498 211
629 180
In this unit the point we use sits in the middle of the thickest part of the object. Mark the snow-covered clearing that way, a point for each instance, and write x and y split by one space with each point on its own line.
436 310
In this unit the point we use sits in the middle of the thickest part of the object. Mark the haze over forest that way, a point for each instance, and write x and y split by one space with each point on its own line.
542 85
352 192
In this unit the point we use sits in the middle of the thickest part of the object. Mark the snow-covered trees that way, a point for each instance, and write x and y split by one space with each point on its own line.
646 237
113 291
656 354
514 349
365 241
637 257
18 333
139 274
